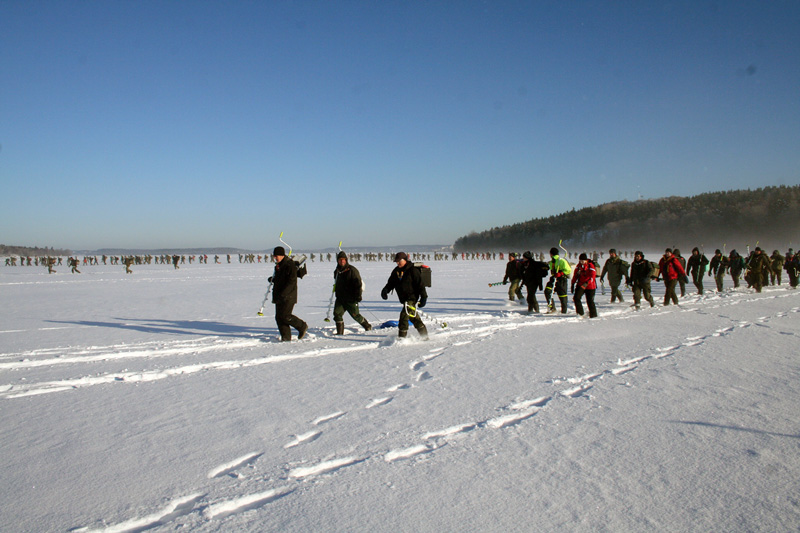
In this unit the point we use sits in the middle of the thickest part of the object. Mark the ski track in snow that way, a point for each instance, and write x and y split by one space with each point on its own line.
505 417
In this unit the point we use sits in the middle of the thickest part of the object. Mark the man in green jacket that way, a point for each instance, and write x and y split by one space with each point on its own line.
560 271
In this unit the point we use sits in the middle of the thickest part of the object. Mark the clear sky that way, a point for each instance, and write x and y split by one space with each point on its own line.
160 124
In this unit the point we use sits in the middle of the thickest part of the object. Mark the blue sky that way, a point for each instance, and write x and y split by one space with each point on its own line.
182 124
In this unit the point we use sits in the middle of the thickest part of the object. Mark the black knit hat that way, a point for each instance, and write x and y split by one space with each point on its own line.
400 255
341 255
279 251
553 251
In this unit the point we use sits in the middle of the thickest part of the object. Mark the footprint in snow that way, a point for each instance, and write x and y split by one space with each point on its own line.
327 418
300 439
229 468
416 365
379 401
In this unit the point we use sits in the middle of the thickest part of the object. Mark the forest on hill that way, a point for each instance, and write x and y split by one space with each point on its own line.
768 215
32 251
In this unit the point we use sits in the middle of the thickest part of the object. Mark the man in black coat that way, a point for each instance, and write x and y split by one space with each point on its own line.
284 295
533 272
348 294
406 281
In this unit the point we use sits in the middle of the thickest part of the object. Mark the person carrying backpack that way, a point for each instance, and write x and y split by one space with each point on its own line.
697 267
407 283
533 272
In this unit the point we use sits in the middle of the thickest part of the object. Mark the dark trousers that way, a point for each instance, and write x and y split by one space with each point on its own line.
559 286
409 312
286 320
533 305
642 290
670 294
589 293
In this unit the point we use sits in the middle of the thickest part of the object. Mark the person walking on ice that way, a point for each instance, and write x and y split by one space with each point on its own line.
284 296
559 276
406 281
348 293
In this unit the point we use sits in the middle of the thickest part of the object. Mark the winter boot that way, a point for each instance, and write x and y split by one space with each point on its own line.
340 328
402 332
301 331
366 325
423 332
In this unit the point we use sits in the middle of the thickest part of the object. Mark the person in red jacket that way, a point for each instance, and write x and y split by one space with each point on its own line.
585 277
671 270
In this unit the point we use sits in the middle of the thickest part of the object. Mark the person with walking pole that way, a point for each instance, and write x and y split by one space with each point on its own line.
348 293
284 295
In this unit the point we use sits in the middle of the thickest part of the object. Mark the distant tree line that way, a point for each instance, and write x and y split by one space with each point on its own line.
770 215
32 251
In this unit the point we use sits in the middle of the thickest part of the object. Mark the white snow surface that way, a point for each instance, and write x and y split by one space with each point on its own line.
160 401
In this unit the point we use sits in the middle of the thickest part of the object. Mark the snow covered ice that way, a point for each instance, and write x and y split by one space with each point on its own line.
161 401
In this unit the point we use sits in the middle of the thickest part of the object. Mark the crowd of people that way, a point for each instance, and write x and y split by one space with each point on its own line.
527 271
759 270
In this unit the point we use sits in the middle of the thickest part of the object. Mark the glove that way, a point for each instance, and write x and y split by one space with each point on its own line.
269 279
505 282
384 294
422 301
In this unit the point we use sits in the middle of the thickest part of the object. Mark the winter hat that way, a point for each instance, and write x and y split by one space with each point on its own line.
758 249
512 254
527 255
279 251
668 251
718 251
612 251
584 257
639 253
341 255
696 249
400 255
553 251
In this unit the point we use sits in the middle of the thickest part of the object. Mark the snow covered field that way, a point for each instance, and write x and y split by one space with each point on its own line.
159 400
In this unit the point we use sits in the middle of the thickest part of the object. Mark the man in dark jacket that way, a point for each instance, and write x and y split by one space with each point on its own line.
284 295
641 271
735 267
513 274
616 269
791 266
757 265
697 268
406 281
717 268
348 294
533 272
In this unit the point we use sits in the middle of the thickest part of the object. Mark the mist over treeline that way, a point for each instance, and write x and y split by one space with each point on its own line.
32 251
767 215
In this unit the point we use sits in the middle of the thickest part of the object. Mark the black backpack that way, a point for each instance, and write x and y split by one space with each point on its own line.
424 274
